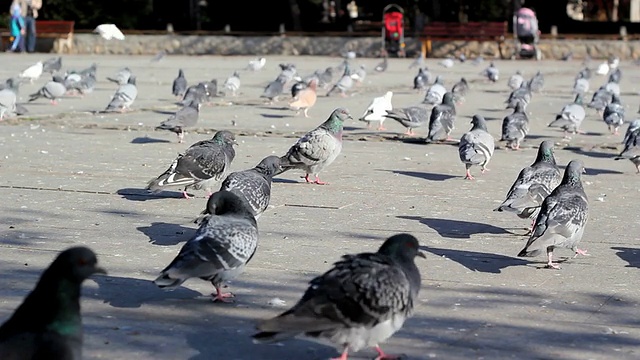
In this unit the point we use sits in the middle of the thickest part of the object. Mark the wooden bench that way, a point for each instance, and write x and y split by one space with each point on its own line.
474 31
61 31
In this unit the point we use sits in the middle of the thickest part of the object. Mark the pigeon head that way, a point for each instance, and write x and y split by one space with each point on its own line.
180 73
438 80
236 74
75 264
402 247
225 202
447 99
270 166
225 137
635 125
337 118
479 122
545 152
572 173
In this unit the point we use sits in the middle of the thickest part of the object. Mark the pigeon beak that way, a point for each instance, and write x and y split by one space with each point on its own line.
235 142
422 255
584 170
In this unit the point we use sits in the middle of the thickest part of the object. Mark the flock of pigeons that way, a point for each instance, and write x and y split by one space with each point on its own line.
364 298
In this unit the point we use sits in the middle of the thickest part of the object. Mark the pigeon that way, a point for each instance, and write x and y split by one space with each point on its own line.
492 73
477 60
7 102
537 82
48 323
179 86
520 95
613 61
257 64
421 80
410 117
632 145
33 72
350 55
52 90
274 89
418 62
196 93
515 127
600 99
613 114
318 148
306 98
581 86
562 218
567 57
344 83
571 117
515 81
459 91
212 89
377 110
382 66
93 69
159 56
462 58
359 74
613 88
84 85
360 302
109 31
442 119
288 71
435 92
124 96
12 84
447 63
183 118
254 185
603 69
476 146
325 77
201 166
233 83
534 184
297 87
615 76
222 246
584 74
52 65
21 110
121 77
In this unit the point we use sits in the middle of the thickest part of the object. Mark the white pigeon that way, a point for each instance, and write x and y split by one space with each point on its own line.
603 69
33 72
447 63
377 110
256 64
109 31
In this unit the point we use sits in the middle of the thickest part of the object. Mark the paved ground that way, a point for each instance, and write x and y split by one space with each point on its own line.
70 177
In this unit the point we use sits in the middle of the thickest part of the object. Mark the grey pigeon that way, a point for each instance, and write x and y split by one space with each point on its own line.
52 65
124 96
410 117
632 145
492 73
515 127
183 118
533 184
52 90
48 323
571 117
613 114
615 76
562 218
221 248
459 91
12 84
93 69
196 93
84 85
584 74
297 87
359 74
613 88
477 60
567 57
7 102
476 146
288 72
201 166
254 185
212 89
581 86
360 302
318 148
515 81
382 66
600 99
345 82
179 85
159 56
121 77
520 95
325 77
536 84
421 81
435 92
274 89
233 83
21 110
417 62
442 119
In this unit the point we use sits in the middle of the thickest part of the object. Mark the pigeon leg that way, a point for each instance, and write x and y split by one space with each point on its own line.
638 168
180 137
550 264
343 356
581 252
54 102
320 182
484 169
409 132
222 296
185 195
381 128
468 176
306 112
383 356
306 178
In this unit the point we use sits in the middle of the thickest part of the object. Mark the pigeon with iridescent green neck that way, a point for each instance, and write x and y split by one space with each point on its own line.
48 323
318 148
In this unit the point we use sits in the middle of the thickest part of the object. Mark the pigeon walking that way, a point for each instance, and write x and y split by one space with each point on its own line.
7 102
476 146
613 114
121 77
318 148
124 96
492 73
533 184
410 117
221 248
274 89
52 65
257 64
571 117
417 62
183 118
459 91
520 95
360 302
33 72
581 86
233 83
536 84
52 90
515 127
306 98
632 145
562 218
435 92
421 81
382 66
199 94
442 119
377 110
515 81
179 86
48 323
600 99
344 84
201 166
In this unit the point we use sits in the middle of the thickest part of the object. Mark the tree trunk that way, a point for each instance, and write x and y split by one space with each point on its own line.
614 11
295 15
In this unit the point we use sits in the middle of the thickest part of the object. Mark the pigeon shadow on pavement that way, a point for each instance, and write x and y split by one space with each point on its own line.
134 194
595 171
424 175
630 255
275 116
125 292
589 153
457 229
477 261
166 234
285 181
148 140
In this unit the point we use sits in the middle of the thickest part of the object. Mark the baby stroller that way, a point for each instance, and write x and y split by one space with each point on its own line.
393 31
526 34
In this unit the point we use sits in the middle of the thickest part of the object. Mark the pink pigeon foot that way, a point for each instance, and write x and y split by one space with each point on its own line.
581 252
383 356
53 102
484 170
306 178
185 195
222 296
343 356
319 182
381 128
550 263
468 176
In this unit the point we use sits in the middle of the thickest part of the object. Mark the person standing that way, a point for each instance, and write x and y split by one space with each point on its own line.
17 28
30 12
